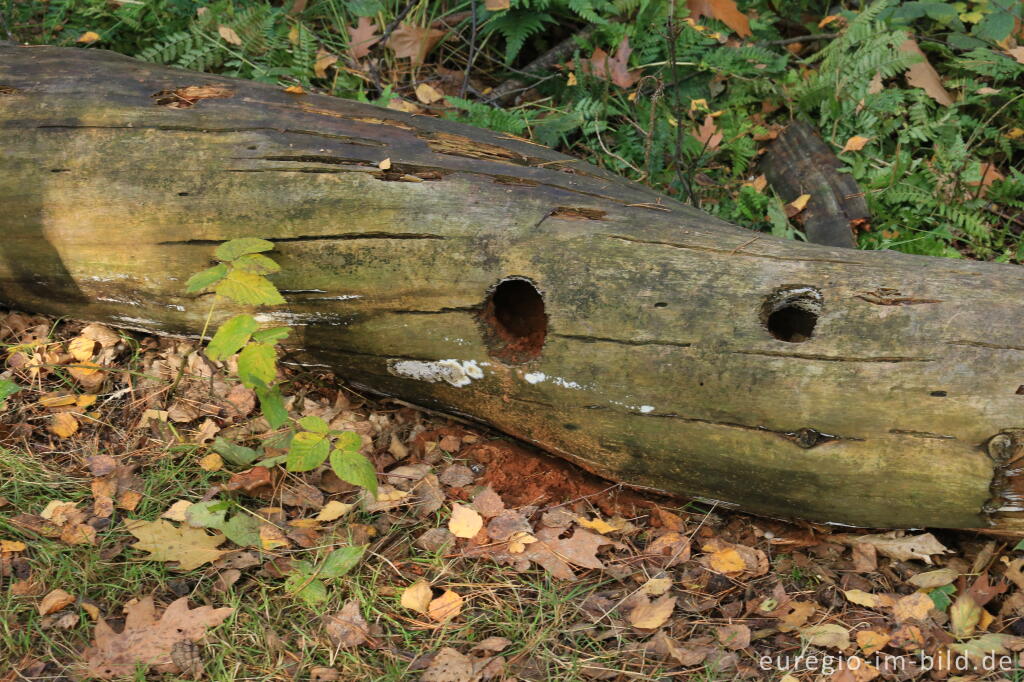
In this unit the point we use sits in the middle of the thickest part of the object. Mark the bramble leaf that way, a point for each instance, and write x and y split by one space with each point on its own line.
271 335
349 440
314 424
248 288
272 406
208 277
230 337
308 451
354 468
257 365
341 561
232 250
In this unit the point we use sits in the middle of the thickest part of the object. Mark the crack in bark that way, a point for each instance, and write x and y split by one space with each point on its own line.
922 434
438 311
603 339
348 236
830 358
982 344
730 252
196 129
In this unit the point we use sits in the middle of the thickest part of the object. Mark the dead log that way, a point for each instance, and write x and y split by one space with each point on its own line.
491 277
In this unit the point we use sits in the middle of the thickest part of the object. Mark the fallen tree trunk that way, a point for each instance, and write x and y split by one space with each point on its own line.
487 276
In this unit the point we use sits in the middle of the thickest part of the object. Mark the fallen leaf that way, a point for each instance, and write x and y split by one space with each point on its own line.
497 5
190 547
362 37
417 597
63 424
324 59
923 75
177 511
229 35
428 94
88 37
964 616
797 205
912 607
656 586
55 601
295 90
615 69
932 579
735 637
797 613
414 42
855 144
211 462
82 348
649 615
448 665
445 607
465 522
385 164
146 639
904 548
334 510
707 134
727 560
346 628
12 546
723 10
871 641
830 636
598 524
488 503
872 601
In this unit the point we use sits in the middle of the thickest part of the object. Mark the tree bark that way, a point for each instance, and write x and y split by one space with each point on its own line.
491 277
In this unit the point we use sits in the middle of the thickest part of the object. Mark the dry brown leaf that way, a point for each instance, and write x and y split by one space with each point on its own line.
147 639
324 60
428 94
55 601
448 665
63 424
903 548
417 597
912 607
797 613
497 5
855 144
229 35
723 10
871 641
103 335
707 134
923 75
295 90
465 522
414 42
488 503
736 636
346 628
445 607
211 462
615 69
656 586
190 547
362 37
932 579
872 601
830 636
12 546
648 615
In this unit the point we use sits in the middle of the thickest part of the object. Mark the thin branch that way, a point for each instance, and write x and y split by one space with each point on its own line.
472 50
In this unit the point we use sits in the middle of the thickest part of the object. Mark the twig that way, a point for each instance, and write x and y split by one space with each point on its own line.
801 39
539 65
472 50
678 152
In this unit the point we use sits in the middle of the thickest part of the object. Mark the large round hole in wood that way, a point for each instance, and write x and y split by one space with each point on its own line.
514 320
791 313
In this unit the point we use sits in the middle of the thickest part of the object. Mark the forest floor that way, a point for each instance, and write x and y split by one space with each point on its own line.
131 526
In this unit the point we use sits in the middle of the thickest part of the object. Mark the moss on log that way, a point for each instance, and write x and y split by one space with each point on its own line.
488 276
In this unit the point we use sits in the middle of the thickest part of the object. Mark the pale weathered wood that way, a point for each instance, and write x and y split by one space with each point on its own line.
659 366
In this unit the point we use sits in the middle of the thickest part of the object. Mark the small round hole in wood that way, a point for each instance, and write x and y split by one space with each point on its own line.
514 320
791 313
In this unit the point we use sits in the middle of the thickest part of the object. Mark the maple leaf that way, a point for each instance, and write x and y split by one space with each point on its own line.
147 639
362 37
723 10
614 69
190 547
414 42
707 134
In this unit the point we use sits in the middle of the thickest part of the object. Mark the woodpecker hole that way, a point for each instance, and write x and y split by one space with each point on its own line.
791 313
514 320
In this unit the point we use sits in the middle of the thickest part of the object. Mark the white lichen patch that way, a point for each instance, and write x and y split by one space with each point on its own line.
646 409
458 373
535 377
538 377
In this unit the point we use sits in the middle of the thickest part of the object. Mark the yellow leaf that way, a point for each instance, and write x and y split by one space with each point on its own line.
867 599
81 348
571 80
86 400
295 90
89 37
324 59
212 462
428 94
55 601
497 5
272 537
1015 133
12 546
129 499
63 424
176 512
656 586
727 561
334 510
800 203
445 607
649 615
701 104
914 606
417 597
855 144
828 20
465 521
871 641
601 526
831 636
385 164
229 35
293 34
55 400
190 547
519 540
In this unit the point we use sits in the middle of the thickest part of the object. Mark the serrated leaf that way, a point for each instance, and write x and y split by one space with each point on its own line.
238 455
248 288
190 547
941 596
272 406
314 424
256 263
243 530
354 468
308 451
230 250
341 561
349 440
209 514
964 616
230 337
257 365
206 278
271 335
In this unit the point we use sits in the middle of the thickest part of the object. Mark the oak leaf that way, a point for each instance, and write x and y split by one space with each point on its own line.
190 547
615 69
362 37
147 639
414 42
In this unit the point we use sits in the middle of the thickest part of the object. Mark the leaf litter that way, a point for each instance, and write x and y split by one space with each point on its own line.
662 588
